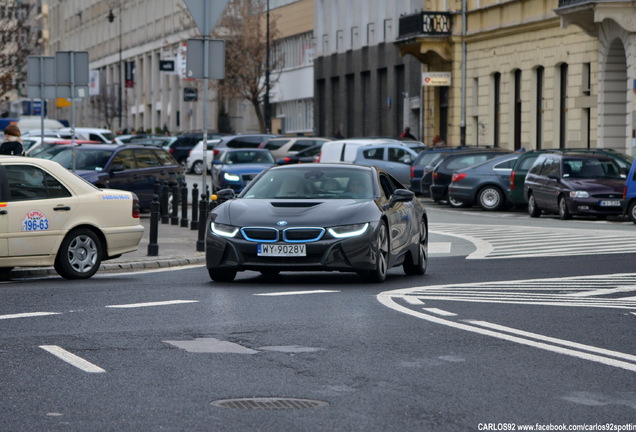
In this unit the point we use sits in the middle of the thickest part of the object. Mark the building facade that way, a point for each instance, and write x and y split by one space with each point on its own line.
526 74
363 85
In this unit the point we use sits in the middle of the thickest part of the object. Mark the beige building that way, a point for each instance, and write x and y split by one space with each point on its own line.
516 74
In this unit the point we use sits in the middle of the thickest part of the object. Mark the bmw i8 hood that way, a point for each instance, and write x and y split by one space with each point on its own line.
322 213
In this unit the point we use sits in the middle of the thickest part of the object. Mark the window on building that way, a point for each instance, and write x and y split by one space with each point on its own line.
563 94
496 108
539 108
296 51
517 109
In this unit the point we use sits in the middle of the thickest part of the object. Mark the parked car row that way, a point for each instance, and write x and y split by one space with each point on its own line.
567 182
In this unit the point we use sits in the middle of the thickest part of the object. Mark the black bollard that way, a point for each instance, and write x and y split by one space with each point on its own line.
153 246
174 220
184 205
165 196
203 217
194 224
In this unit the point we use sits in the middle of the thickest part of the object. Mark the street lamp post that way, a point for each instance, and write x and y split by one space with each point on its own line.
111 18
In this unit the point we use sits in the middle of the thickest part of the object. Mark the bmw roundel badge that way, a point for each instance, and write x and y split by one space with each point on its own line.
281 223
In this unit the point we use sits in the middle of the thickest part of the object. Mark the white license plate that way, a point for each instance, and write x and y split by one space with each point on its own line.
281 250
613 203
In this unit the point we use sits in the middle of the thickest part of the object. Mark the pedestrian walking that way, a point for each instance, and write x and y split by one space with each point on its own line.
407 134
12 144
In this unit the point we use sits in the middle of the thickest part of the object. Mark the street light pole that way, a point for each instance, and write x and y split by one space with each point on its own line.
268 125
111 18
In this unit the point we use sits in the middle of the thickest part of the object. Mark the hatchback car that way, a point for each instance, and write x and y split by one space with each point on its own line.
235 168
288 146
422 168
309 155
574 184
396 159
444 169
194 163
520 169
128 167
311 217
51 217
629 194
484 184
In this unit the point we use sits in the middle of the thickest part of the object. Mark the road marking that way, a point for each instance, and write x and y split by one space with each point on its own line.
72 359
439 312
537 336
555 291
496 241
298 293
605 291
161 303
413 300
439 248
28 315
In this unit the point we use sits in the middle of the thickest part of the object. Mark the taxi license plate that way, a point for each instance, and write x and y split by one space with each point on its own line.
611 203
281 250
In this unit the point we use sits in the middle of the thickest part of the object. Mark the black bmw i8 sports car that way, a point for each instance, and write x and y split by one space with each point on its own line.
318 217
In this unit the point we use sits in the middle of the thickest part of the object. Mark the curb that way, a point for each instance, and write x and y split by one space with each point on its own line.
113 267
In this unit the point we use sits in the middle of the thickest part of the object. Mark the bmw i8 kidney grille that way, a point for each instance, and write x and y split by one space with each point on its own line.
260 234
302 234
289 235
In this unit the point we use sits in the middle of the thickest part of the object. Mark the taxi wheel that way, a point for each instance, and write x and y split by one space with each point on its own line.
80 255
222 275
419 268
381 252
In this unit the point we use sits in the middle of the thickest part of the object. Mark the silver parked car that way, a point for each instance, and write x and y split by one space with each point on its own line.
396 159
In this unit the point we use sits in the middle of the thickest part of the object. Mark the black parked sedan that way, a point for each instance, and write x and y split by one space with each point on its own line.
318 217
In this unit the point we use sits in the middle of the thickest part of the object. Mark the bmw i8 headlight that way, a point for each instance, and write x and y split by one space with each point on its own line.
343 231
231 177
579 194
223 230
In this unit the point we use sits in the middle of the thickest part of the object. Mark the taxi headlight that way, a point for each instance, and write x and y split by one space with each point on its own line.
343 231
223 230
579 194
231 177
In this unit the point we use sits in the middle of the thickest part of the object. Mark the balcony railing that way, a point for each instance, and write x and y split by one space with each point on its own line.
425 23
571 2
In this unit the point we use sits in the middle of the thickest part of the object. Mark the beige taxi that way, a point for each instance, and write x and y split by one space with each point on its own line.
51 217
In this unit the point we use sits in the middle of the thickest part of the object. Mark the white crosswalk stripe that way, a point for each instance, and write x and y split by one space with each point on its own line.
604 291
493 241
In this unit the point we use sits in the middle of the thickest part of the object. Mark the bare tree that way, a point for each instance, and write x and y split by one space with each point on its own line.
19 40
243 27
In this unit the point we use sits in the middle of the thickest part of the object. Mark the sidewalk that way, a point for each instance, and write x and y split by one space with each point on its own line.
176 247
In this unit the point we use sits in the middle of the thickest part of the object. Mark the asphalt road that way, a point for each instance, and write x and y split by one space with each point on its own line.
484 343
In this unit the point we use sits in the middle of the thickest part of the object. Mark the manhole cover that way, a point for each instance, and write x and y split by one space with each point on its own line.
268 403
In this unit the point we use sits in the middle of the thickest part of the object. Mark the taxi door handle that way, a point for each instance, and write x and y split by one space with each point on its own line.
3 212
65 208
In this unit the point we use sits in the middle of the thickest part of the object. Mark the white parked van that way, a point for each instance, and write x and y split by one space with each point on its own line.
345 150
92 134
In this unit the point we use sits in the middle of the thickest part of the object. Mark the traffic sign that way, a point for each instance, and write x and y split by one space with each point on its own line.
206 13
190 94
195 59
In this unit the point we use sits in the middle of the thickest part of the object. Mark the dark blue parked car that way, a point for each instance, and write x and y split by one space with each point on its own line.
127 167
235 168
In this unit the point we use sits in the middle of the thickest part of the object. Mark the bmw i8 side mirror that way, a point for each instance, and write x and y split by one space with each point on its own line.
225 195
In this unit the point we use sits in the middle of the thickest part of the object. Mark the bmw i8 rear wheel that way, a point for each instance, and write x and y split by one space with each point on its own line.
419 268
381 252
